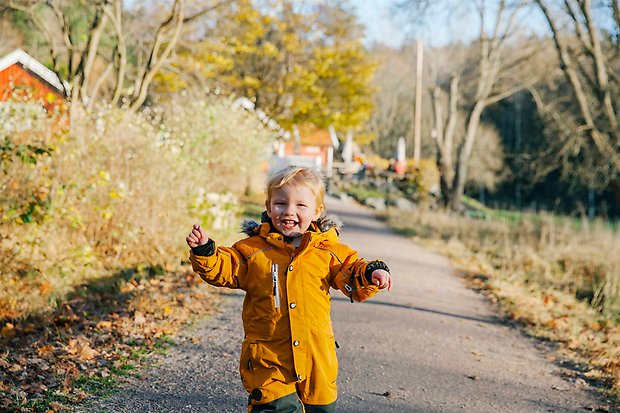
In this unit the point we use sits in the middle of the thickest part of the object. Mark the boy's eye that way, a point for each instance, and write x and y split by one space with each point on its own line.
301 205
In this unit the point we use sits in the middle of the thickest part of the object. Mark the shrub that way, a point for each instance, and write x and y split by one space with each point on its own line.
117 190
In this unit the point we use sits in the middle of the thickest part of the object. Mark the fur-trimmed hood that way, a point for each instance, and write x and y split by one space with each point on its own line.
324 222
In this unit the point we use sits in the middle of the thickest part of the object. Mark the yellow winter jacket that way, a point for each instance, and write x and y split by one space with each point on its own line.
290 346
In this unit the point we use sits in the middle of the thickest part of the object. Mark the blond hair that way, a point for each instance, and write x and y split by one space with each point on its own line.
297 175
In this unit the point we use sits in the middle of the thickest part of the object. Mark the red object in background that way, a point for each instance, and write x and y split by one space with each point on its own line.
400 167
23 75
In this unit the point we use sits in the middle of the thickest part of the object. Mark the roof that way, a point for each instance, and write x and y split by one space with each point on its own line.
271 123
32 64
311 136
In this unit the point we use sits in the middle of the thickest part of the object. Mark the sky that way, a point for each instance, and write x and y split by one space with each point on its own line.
375 15
452 23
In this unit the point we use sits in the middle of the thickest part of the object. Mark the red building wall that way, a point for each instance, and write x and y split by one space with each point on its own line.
16 78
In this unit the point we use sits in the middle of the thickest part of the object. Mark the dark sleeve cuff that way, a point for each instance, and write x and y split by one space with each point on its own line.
205 250
374 265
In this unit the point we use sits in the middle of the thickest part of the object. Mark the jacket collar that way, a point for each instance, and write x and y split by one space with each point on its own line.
325 227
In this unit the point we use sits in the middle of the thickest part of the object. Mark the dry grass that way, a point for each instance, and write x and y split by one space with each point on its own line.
114 191
562 283
92 226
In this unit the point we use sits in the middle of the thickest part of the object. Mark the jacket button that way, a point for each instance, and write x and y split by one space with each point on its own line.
290 268
295 343
299 377
293 305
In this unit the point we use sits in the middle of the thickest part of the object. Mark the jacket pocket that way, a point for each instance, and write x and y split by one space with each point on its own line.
246 365
332 360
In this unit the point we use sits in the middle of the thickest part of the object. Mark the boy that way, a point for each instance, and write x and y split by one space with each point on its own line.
286 265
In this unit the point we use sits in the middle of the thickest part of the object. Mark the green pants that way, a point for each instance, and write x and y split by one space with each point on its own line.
291 404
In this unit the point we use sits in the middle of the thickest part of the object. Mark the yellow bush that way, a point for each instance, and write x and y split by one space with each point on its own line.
118 190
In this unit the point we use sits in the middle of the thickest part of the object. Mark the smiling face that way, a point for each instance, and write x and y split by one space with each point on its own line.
292 208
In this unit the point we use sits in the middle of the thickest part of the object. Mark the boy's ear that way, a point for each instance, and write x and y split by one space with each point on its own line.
319 211
268 209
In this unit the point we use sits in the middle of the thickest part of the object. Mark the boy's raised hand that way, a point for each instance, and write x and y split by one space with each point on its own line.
197 237
382 279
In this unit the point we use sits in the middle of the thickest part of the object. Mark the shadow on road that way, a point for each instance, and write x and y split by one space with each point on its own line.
427 310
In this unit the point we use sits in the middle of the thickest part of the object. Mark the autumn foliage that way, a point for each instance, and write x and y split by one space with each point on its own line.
93 219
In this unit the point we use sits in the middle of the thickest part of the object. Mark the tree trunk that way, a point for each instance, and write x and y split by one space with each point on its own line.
464 156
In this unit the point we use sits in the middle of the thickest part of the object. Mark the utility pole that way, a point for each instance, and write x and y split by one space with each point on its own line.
417 129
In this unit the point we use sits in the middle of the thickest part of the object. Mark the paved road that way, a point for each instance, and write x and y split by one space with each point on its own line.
430 345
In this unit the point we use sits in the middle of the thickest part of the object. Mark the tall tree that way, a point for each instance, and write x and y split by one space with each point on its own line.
298 62
482 76
584 114
394 84
87 44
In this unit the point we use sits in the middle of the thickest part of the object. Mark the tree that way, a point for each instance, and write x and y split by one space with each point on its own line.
584 113
87 44
394 84
481 76
297 62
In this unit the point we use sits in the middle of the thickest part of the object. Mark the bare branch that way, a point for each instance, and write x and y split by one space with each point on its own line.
90 51
585 42
121 50
97 85
204 11
64 25
600 67
452 112
155 61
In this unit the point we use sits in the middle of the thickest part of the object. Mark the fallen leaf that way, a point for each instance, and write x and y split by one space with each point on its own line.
87 353
42 351
139 318
58 407
70 374
8 330
104 325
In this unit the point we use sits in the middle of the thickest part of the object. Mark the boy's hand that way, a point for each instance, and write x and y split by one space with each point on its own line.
197 237
382 279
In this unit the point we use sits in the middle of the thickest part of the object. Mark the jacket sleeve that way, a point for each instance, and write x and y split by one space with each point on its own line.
222 268
348 274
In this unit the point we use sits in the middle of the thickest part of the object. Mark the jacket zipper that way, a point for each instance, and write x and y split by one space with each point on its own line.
276 289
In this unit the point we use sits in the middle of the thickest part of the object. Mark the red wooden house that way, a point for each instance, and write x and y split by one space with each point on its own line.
310 146
23 75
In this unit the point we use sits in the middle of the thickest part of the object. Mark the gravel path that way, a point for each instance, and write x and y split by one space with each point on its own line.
430 345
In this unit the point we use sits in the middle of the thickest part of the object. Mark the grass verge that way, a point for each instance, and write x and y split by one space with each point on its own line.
559 282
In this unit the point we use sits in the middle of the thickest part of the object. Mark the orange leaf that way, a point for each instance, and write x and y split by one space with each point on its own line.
87 353
8 330
139 318
104 325
42 351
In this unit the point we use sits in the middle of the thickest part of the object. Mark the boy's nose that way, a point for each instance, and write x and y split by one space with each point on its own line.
289 210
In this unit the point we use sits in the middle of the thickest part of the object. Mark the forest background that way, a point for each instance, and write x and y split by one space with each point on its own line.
521 116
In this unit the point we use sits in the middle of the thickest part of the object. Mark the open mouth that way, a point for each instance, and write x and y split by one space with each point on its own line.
289 223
